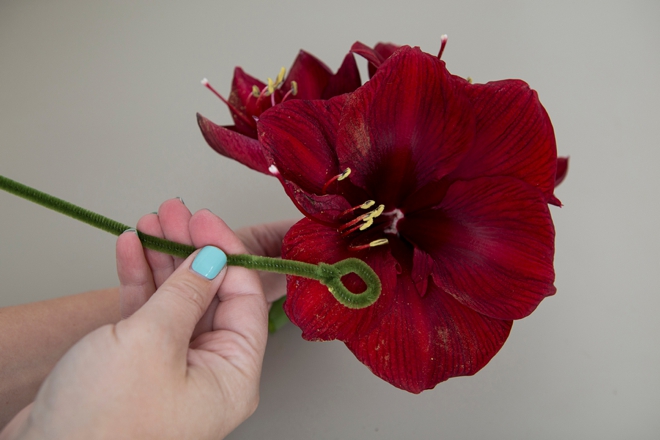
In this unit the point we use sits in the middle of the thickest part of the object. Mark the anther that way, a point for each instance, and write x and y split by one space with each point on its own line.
469 80
255 91
367 222
271 87
338 177
280 77
379 242
443 43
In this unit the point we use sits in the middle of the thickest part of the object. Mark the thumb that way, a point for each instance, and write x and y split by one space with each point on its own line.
182 299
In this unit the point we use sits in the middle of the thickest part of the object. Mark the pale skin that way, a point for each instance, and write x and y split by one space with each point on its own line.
183 363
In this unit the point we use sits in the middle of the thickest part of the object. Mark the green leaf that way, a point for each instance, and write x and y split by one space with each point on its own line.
276 317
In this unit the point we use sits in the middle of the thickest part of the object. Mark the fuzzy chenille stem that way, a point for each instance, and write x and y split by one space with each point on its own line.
328 274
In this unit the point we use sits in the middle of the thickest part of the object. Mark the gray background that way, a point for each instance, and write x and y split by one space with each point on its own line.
97 106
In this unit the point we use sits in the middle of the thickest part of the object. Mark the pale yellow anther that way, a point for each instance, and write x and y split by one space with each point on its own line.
469 79
255 91
271 87
345 174
294 88
368 204
379 242
370 216
378 211
367 222
280 77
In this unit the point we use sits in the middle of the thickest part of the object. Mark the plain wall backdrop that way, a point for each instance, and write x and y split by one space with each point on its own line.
98 103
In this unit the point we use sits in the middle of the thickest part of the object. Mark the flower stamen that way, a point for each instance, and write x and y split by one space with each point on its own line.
366 205
293 91
379 242
337 178
367 218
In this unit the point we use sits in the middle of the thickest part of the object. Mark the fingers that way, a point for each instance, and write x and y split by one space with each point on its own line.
176 307
135 277
266 240
242 307
140 270
174 218
162 265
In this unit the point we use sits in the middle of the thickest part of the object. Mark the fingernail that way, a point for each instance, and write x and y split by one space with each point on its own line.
133 230
181 200
209 262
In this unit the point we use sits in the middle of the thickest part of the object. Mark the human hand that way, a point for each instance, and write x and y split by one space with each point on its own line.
139 281
143 378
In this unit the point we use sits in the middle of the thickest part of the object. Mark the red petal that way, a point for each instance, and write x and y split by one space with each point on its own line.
241 98
422 269
310 305
410 125
300 137
514 136
424 341
368 53
324 209
311 75
234 145
375 56
384 50
492 240
562 170
346 80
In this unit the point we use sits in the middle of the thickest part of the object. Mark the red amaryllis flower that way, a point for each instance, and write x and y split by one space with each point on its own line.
442 187
308 78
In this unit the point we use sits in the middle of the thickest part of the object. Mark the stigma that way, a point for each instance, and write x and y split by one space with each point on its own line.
443 43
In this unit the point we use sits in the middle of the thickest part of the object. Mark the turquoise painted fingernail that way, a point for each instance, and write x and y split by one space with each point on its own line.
209 262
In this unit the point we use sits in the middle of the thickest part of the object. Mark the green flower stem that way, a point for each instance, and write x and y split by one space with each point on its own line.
328 274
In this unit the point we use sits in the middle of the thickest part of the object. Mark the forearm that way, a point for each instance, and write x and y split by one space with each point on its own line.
33 337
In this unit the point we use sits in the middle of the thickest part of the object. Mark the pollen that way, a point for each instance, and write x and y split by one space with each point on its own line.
367 222
469 79
294 88
270 87
345 174
368 204
255 91
280 77
379 242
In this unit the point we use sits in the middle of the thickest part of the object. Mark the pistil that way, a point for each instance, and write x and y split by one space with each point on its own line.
443 43
397 215
232 108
